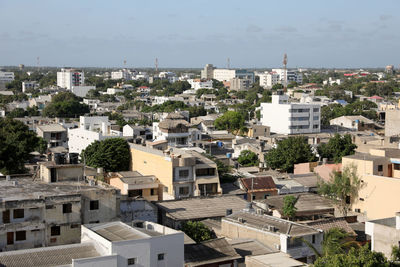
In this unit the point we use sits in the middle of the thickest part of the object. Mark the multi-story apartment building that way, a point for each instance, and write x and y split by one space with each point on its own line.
228 74
112 244
200 83
39 213
290 118
5 77
269 79
379 172
122 74
29 85
90 129
239 84
183 173
54 134
66 78
176 130
208 72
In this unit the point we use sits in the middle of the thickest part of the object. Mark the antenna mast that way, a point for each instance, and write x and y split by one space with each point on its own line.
228 63
285 72
156 65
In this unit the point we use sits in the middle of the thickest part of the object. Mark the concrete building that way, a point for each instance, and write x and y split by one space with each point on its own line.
66 78
137 132
173 213
134 185
256 131
384 233
81 90
197 84
5 77
260 187
228 74
39 213
290 118
54 134
268 79
239 84
183 173
113 244
90 129
176 130
354 123
124 74
29 85
392 122
379 172
283 235
208 72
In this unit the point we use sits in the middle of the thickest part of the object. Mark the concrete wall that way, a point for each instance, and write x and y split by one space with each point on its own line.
108 206
392 122
383 238
137 210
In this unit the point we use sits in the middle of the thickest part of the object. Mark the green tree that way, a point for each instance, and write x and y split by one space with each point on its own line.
337 147
232 121
65 105
354 257
16 144
277 86
289 206
248 158
112 154
288 152
197 231
395 254
342 188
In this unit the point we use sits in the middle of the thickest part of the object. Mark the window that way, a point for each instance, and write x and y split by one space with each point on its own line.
74 226
132 261
184 190
183 173
315 109
347 199
205 172
160 256
67 208
18 213
154 191
94 204
166 189
315 118
316 126
313 239
396 167
49 207
266 196
135 193
361 199
20 235
55 230
380 168
253 197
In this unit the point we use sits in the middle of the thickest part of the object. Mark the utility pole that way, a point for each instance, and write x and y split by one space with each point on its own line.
228 63
156 64
285 72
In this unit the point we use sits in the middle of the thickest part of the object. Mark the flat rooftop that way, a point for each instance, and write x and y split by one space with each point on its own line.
363 156
199 208
25 188
262 222
278 259
52 128
118 231
48 256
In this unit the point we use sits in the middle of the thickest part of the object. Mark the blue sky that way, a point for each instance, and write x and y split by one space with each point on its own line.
188 33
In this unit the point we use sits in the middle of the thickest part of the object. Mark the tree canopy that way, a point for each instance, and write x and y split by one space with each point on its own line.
289 206
231 121
342 188
337 147
16 142
248 158
65 105
364 108
288 152
112 154
197 231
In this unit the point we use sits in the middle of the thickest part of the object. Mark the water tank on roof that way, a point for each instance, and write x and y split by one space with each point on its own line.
357 121
220 144
229 155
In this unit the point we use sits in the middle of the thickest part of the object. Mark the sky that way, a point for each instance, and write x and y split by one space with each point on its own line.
188 33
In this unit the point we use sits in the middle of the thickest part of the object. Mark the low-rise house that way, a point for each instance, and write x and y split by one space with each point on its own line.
108 244
29 85
182 172
284 235
215 252
308 206
308 180
137 133
250 247
256 131
260 187
174 212
40 102
384 233
54 134
134 185
355 123
273 260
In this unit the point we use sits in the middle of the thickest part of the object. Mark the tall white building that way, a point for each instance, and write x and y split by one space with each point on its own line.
269 79
227 74
29 85
290 118
6 77
90 129
208 72
66 78
200 83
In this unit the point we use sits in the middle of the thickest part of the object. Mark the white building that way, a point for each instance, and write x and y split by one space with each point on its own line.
66 78
82 91
332 81
268 79
171 76
6 77
113 91
113 244
125 74
90 129
200 83
227 74
29 85
290 118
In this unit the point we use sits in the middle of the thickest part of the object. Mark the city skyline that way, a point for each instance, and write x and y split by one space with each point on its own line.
191 34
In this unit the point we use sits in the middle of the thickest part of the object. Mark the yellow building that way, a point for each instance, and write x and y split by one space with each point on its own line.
379 171
183 173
